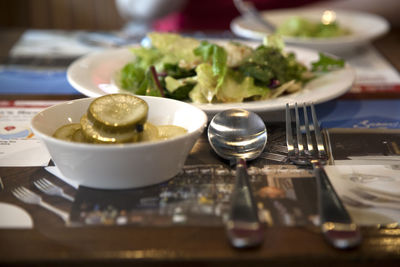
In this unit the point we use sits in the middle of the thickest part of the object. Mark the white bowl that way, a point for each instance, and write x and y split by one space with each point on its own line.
124 165
364 28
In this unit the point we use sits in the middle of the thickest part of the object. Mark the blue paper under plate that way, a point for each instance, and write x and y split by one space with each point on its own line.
360 114
50 82
332 114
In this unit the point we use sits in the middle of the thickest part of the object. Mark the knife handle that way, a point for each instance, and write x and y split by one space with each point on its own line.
244 228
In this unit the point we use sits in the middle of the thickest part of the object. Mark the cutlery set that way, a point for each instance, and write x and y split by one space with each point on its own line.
47 187
237 135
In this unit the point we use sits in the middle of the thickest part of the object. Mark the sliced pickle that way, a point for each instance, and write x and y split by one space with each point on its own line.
116 112
116 118
150 132
96 135
170 131
66 131
78 136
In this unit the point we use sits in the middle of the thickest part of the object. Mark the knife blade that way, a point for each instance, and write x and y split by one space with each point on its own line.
337 225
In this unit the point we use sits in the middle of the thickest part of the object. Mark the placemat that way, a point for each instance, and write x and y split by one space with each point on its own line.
199 195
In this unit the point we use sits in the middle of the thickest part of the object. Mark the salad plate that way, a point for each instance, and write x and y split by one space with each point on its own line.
362 28
93 75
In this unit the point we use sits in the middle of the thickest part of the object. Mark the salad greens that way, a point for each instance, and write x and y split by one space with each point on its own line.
302 27
325 63
205 72
217 55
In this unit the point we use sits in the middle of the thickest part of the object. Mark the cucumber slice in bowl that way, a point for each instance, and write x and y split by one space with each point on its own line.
66 132
98 135
117 112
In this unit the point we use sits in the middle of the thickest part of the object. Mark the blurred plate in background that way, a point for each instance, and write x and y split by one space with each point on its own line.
364 28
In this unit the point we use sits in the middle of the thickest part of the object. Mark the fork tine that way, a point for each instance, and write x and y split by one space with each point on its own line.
300 145
23 194
318 135
24 190
21 190
17 192
27 192
40 184
310 147
37 184
289 136
46 182
43 184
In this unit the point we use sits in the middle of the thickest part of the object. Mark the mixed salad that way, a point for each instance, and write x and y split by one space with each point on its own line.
297 26
188 69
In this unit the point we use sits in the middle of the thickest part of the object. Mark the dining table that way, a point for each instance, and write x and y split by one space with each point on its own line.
48 241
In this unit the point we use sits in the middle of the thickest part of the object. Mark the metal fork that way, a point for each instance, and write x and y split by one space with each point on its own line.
27 196
248 10
49 188
336 224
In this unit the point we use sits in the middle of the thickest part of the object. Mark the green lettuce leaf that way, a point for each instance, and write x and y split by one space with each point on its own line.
297 26
148 86
146 57
268 65
217 56
172 84
235 87
274 41
304 27
175 48
173 70
206 87
327 63
131 77
179 88
234 90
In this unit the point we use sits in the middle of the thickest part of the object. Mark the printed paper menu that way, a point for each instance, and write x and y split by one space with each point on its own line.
18 145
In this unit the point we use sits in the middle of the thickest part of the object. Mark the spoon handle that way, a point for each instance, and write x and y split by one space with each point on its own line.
243 227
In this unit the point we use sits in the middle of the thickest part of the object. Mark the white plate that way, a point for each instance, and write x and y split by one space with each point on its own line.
13 216
364 27
92 75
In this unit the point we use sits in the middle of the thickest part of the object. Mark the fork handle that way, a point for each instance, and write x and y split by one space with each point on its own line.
68 197
64 215
244 228
336 223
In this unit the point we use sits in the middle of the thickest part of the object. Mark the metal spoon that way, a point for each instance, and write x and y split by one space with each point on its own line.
239 135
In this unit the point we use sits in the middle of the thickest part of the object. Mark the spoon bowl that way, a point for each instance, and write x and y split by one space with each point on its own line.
239 135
